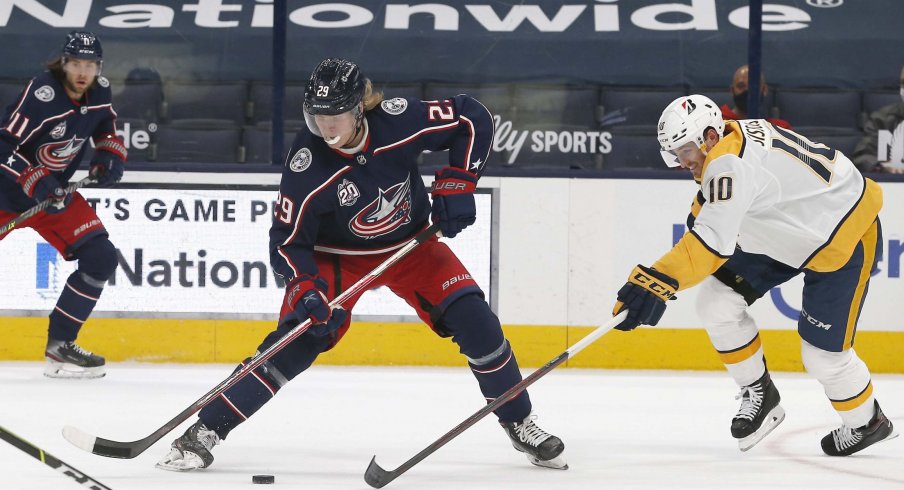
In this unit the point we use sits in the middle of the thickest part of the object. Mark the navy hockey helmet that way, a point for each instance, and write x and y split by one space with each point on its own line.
336 86
83 45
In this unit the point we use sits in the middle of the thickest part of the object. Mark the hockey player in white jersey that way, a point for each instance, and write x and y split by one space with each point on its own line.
772 205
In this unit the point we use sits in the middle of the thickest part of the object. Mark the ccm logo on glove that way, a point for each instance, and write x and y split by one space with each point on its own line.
651 284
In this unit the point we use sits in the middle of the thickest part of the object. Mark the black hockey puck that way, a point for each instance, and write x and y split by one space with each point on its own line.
263 479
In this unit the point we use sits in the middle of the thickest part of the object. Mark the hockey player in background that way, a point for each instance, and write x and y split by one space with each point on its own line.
773 204
350 195
43 136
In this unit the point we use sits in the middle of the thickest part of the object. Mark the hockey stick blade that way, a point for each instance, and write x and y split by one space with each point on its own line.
377 477
129 450
105 447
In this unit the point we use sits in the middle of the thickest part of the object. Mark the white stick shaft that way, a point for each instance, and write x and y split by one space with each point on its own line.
596 333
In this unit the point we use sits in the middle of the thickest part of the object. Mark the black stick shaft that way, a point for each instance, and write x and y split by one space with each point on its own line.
28 448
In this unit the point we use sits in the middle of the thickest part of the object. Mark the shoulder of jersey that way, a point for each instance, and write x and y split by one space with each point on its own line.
45 88
307 156
399 106
101 91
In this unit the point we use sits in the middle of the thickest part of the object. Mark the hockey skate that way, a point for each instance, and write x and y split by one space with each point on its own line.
541 449
845 441
68 360
759 413
191 451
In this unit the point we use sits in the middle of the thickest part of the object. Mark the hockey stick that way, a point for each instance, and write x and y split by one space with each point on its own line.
48 459
128 450
377 477
37 208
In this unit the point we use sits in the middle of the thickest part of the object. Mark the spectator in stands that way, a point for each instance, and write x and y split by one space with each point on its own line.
738 90
868 156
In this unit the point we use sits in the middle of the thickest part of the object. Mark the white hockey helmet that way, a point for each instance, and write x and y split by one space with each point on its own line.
685 120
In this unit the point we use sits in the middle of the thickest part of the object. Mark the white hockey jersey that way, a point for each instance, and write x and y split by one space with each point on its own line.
772 191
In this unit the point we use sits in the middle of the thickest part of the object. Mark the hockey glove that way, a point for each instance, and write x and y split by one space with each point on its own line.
644 296
453 200
39 184
109 160
306 295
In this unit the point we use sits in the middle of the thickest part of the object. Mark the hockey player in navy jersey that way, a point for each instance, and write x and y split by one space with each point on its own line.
350 196
43 135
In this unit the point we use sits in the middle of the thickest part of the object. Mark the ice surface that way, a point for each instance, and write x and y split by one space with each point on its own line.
622 429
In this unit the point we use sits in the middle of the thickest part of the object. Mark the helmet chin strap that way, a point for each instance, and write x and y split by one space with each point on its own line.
359 126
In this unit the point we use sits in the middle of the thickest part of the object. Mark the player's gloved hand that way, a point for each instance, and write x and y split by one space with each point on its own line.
453 200
109 162
307 297
39 184
644 296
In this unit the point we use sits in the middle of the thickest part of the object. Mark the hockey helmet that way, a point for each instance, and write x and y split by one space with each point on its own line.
686 120
83 45
336 87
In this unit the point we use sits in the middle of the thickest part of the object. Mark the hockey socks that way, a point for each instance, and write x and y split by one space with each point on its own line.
243 399
496 373
74 306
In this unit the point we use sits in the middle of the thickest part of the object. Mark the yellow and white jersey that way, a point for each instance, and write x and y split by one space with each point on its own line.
772 191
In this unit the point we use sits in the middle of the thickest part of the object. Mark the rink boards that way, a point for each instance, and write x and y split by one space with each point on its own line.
194 283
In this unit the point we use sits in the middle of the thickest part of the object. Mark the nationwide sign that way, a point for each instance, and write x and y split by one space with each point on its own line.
638 42
602 17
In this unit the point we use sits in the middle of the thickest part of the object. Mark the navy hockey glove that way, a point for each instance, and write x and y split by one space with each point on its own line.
109 161
644 296
39 184
453 200
307 297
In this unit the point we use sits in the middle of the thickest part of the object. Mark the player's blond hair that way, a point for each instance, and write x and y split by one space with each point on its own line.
371 99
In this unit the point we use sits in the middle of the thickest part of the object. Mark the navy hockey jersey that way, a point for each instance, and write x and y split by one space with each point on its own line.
373 201
43 126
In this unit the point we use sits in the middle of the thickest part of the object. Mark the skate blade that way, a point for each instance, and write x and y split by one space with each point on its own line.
775 417
557 463
63 370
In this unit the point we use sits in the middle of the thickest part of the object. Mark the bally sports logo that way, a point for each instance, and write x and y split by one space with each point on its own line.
385 214
56 155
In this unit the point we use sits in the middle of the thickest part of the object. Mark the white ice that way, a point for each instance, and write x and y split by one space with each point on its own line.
622 429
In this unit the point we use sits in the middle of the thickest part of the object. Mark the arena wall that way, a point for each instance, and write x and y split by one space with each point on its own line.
553 256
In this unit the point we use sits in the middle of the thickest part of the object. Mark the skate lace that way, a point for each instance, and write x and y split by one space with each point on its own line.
529 433
77 348
207 437
751 400
846 437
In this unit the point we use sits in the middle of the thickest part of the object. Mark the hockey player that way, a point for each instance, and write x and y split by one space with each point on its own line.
773 204
43 136
350 196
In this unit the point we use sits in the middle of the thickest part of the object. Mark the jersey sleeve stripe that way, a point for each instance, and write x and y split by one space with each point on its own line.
24 96
493 125
414 136
467 163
